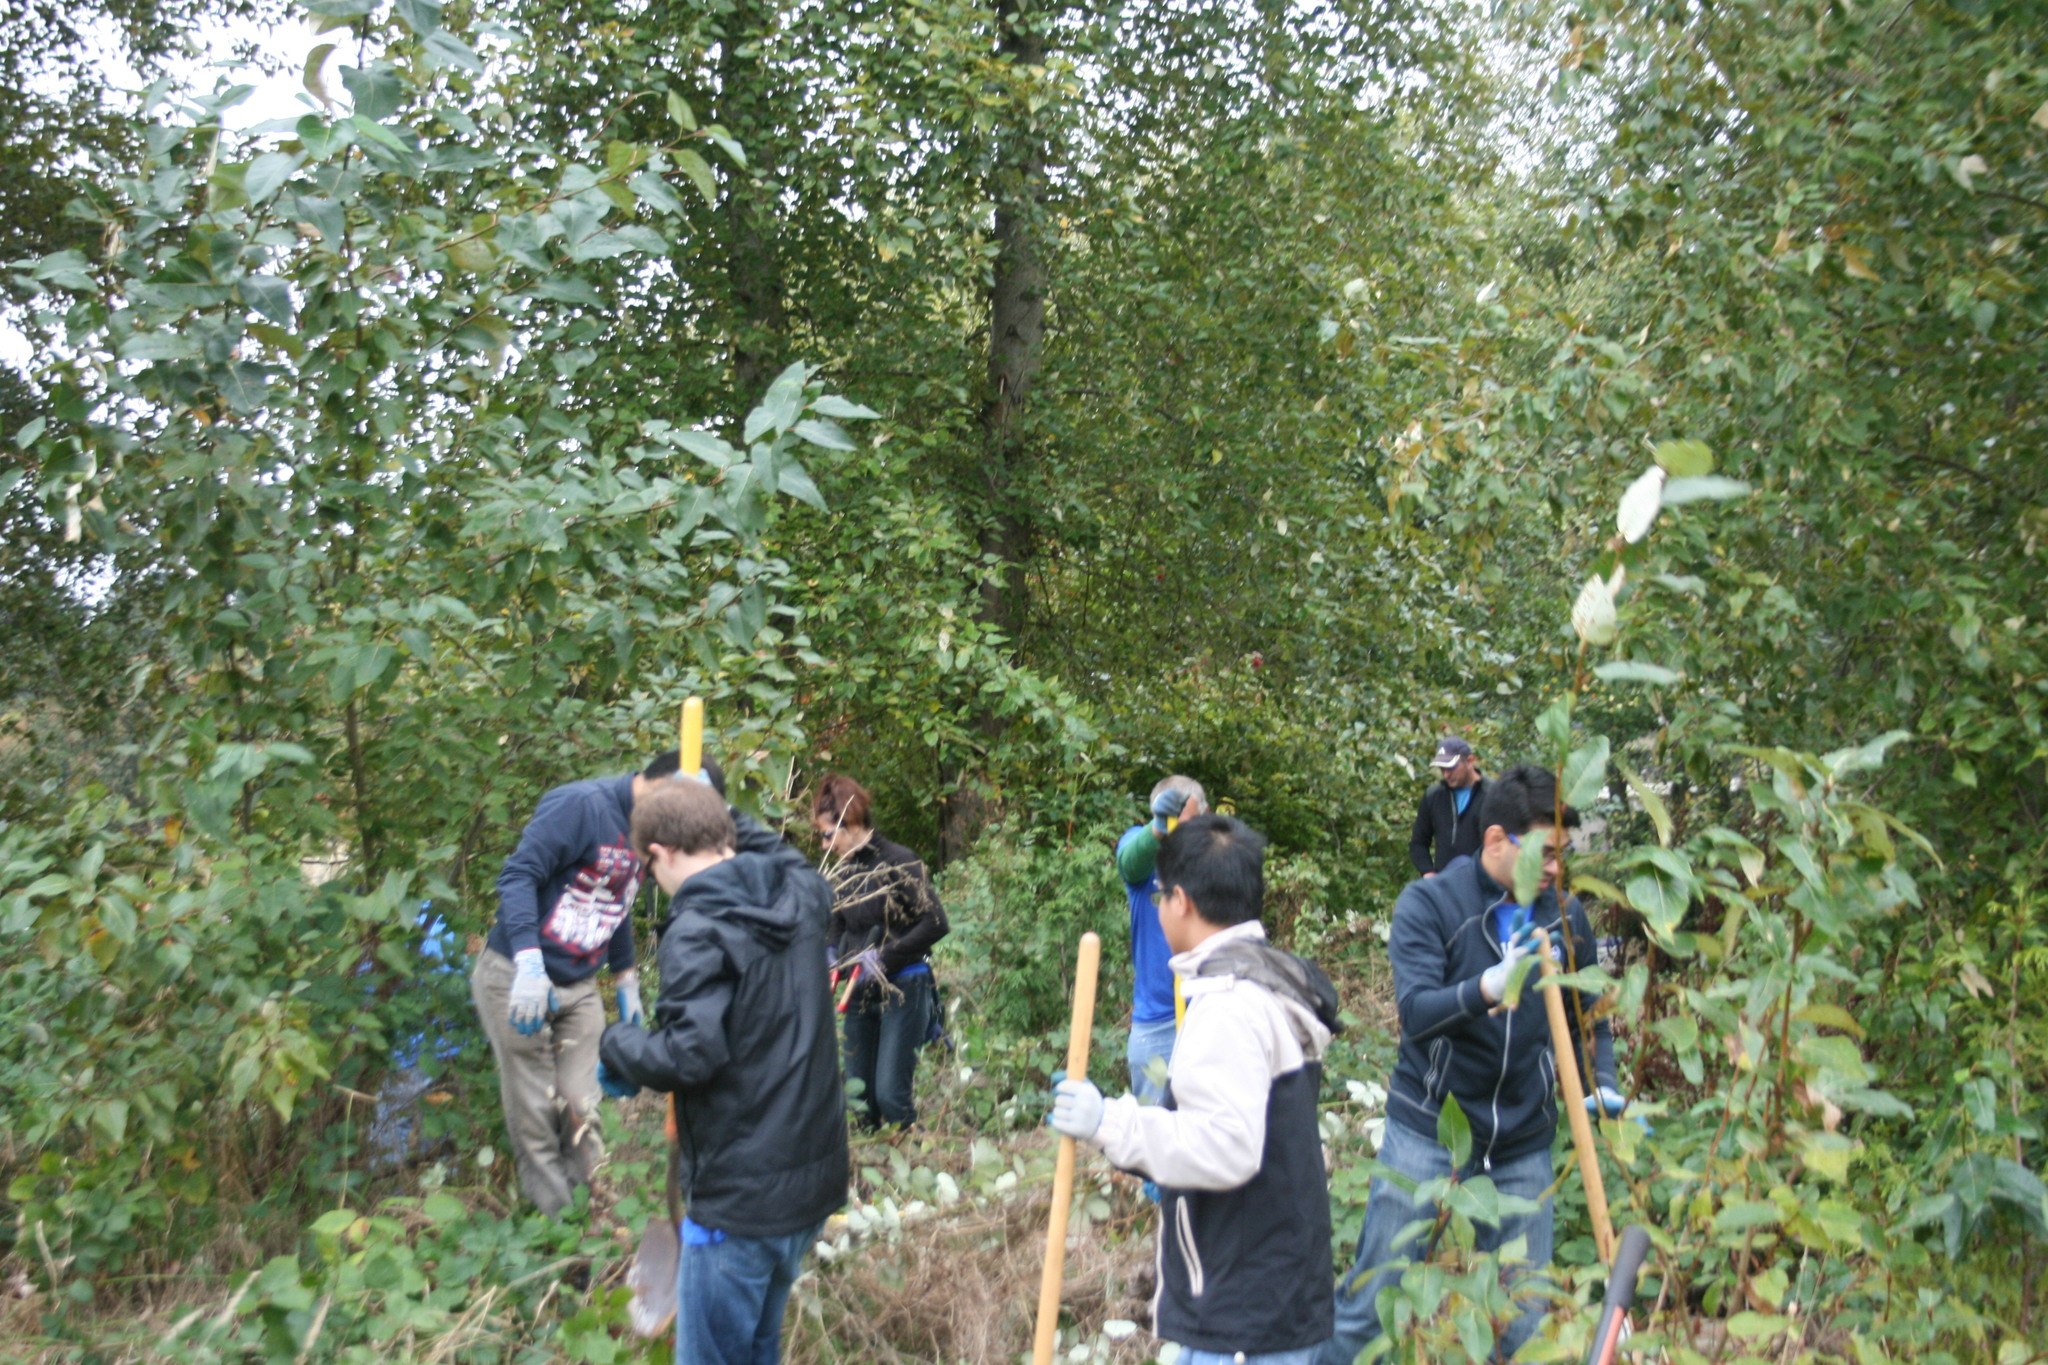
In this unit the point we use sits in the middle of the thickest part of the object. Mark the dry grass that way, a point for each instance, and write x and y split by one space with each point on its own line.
962 1287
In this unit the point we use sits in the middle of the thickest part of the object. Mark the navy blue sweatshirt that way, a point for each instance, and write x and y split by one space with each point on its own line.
568 888
1500 1066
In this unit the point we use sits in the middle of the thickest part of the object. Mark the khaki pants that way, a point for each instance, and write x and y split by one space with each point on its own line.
547 1080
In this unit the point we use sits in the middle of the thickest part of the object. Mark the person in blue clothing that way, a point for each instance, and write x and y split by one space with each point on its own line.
1457 938
564 903
1174 800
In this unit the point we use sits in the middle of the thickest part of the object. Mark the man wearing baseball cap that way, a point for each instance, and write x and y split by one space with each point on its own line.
1447 824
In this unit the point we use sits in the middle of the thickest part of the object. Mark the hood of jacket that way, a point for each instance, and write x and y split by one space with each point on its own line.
756 893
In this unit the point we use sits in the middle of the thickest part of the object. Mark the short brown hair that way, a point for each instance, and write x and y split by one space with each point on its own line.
684 815
843 801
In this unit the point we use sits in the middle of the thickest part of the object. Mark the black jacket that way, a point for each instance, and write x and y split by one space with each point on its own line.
883 897
1500 1066
1438 823
744 1036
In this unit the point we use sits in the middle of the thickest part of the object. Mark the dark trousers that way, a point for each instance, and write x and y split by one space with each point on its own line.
884 1034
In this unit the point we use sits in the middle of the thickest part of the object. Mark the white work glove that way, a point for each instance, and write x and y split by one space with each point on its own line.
1076 1108
626 986
1493 982
533 995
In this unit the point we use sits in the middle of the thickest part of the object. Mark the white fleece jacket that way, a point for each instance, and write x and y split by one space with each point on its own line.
1236 1037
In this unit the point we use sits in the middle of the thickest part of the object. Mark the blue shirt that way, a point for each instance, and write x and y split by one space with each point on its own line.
1151 978
1463 798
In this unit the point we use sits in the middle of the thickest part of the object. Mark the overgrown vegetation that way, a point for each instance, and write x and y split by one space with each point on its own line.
1011 403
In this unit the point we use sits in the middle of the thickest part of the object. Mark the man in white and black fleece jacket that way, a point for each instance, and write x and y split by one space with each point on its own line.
1244 1241
1457 936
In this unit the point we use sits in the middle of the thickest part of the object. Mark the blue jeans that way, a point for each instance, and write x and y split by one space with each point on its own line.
730 1295
883 1037
1305 1356
1150 1042
1388 1209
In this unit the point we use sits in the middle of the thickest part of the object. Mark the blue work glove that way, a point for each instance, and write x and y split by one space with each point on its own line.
613 1086
1607 1102
1167 806
1076 1108
533 995
626 987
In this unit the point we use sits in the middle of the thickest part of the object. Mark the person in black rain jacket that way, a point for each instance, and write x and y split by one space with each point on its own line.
743 1038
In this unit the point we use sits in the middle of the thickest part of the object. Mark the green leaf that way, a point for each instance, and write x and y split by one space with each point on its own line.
831 405
158 346
1678 492
1585 773
824 433
1635 671
445 51
471 253
1555 723
110 1118
1529 860
1748 1324
725 143
790 478
1662 903
679 110
423 17
1684 460
779 408
699 171
267 295
267 174
1652 804
713 450
30 432
1827 1155
1454 1131
654 192
375 91
1746 1214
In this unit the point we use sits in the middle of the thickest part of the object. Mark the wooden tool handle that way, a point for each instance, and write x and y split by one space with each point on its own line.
1575 1102
1078 1033
690 737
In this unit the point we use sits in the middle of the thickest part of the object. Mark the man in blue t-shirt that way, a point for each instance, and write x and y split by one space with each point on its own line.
1174 800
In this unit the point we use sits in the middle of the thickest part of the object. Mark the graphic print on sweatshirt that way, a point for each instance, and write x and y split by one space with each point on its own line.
593 903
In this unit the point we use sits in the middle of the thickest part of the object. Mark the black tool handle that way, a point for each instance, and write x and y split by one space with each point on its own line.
1621 1292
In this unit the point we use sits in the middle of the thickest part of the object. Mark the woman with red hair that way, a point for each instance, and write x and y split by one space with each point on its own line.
885 920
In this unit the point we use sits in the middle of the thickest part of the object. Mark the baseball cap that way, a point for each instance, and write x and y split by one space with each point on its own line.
1450 752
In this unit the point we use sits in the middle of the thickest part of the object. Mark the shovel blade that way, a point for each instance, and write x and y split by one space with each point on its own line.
653 1279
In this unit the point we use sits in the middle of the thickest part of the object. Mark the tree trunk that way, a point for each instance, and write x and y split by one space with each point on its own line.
1016 346
746 106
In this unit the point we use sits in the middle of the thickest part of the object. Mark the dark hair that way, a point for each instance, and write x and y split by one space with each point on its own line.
686 816
1218 862
843 801
1521 799
669 762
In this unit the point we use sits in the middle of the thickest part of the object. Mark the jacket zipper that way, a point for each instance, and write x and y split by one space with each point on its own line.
1506 1042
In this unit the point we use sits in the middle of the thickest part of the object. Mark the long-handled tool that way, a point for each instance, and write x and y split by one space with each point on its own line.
1575 1102
1621 1292
652 1277
1063 1172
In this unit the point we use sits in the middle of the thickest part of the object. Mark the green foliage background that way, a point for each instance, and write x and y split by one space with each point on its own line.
376 470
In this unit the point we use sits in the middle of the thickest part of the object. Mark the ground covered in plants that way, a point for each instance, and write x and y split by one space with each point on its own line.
406 404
